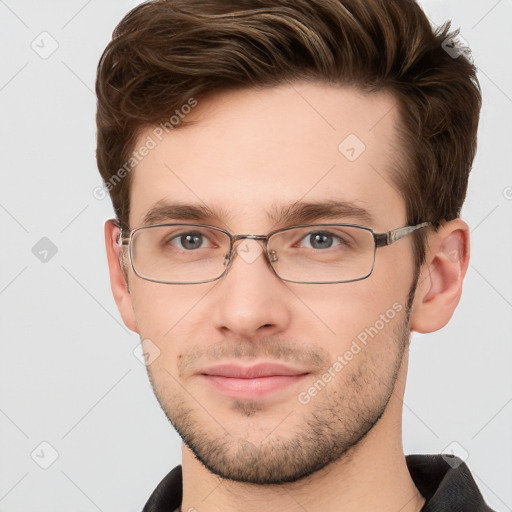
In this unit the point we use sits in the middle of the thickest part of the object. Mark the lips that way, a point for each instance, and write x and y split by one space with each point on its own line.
250 382
252 372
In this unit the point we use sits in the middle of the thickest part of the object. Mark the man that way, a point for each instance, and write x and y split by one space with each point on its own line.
287 177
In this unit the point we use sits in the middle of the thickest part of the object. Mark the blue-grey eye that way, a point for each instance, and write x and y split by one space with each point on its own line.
189 241
320 240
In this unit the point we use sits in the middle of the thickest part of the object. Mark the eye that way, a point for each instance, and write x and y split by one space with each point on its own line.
188 241
321 240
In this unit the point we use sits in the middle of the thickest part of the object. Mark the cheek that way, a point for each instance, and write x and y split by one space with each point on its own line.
341 311
171 317
362 322
161 309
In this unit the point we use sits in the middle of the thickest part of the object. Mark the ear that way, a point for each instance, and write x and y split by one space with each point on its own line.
118 278
440 282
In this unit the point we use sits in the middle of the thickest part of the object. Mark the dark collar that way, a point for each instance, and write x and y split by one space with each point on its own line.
446 483
444 480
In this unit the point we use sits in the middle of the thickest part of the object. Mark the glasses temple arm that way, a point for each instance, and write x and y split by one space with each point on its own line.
122 240
394 235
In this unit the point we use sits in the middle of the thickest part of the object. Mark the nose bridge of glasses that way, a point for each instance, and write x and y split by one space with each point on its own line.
262 238
249 252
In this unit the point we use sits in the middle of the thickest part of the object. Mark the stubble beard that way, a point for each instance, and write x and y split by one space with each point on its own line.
331 427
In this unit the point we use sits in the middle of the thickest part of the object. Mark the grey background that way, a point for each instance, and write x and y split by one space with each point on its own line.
68 373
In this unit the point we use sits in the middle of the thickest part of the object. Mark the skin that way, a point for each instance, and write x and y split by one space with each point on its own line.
246 153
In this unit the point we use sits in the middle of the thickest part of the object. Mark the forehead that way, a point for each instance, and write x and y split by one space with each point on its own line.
251 153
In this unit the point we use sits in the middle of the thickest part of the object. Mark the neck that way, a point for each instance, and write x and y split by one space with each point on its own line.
372 475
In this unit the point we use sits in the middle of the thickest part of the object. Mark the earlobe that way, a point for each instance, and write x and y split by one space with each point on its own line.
440 282
118 277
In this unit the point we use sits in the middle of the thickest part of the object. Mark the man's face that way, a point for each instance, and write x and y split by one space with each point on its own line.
249 156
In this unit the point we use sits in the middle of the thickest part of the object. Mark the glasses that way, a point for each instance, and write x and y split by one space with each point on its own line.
315 254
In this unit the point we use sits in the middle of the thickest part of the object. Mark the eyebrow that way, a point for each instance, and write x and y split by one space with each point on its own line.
299 212
163 211
302 212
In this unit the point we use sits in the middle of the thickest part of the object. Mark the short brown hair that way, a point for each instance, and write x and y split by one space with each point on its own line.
165 52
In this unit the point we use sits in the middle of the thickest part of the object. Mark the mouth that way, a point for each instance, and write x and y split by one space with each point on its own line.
251 382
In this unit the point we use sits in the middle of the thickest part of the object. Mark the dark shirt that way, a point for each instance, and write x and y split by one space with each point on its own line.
444 481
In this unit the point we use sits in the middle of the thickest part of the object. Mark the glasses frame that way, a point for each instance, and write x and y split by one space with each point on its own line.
380 240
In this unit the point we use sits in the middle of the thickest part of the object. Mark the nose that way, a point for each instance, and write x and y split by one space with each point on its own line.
250 300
